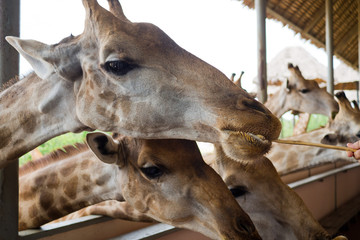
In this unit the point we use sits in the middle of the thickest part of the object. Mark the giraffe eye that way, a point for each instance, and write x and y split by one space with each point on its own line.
152 172
119 67
238 191
304 90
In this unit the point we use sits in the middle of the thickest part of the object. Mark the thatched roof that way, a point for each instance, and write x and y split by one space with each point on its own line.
307 17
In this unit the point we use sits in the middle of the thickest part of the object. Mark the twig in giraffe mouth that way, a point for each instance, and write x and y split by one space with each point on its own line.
310 144
253 139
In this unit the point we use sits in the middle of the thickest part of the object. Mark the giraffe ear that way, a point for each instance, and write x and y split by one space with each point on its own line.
105 148
49 59
34 52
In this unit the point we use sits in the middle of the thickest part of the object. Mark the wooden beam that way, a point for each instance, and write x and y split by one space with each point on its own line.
329 45
260 8
9 67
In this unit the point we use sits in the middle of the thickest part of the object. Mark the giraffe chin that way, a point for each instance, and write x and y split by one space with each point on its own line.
243 146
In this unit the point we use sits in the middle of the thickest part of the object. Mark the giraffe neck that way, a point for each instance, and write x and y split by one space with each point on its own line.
70 186
302 123
33 111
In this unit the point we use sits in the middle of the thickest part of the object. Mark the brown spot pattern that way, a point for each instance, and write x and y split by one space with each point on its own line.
86 177
52 181
108 96
22 226
39 180
86 189
27 121
84 164
26 194
71 188
54 213
103 179
46 200
126 105
5 136
66 171
33 211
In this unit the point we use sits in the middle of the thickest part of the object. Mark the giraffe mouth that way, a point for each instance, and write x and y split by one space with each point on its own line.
247 138
250 138
244 145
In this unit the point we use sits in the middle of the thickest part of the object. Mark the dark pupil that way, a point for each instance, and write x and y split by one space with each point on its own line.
119 67
238 191
152 172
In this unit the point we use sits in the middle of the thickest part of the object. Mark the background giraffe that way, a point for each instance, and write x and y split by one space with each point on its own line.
343 129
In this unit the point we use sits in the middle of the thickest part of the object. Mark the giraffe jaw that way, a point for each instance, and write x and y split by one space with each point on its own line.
244 145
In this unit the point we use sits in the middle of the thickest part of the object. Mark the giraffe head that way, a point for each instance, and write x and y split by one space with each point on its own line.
275 209
133 79
168 181
346 125
299 94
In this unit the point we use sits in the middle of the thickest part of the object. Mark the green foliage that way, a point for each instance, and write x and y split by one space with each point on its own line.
316 121
287 127
56 143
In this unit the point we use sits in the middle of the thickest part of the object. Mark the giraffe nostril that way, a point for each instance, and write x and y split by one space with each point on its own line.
252 104
244 226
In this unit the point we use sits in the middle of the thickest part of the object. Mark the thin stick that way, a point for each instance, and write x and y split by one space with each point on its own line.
294 142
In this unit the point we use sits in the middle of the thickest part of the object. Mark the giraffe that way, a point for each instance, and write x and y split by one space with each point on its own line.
299 94
165 180
275 209
343 129
105 77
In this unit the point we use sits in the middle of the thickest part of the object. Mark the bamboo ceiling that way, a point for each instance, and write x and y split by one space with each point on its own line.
307 17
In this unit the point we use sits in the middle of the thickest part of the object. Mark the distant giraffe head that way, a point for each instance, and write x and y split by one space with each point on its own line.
344 128
299 94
